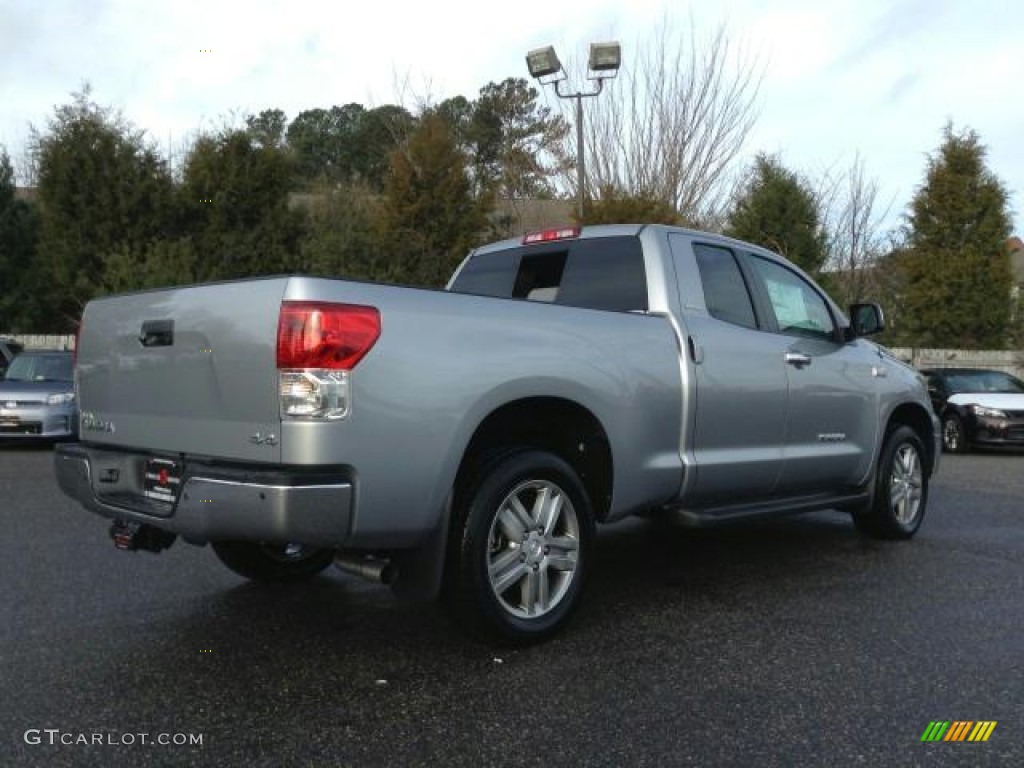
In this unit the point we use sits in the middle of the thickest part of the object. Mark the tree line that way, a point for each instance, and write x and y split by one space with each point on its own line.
388 193
377 193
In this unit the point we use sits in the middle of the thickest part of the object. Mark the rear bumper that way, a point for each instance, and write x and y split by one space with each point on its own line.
216 501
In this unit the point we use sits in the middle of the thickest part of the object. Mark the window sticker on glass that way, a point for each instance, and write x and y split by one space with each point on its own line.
788 301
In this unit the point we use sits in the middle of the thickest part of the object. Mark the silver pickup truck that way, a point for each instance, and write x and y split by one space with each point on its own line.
465 443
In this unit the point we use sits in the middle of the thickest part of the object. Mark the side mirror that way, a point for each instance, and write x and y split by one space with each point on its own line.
865 320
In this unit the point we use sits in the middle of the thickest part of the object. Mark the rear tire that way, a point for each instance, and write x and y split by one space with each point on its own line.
954 436
520 548
270 562
901 489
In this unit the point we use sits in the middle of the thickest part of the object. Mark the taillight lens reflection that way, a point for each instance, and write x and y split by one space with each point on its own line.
324 335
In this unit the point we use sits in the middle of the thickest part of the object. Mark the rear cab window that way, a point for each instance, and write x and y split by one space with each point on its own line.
726 294
597 273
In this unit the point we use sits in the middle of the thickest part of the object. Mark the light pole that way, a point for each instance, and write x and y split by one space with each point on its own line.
603 64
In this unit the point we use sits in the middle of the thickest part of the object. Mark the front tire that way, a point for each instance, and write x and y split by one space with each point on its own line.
954 436
901 489
521 548
271 562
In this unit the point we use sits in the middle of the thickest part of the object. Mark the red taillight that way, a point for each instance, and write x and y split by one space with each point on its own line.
547 235
315 334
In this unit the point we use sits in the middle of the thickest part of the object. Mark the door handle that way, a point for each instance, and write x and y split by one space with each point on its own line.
157 333
798 359
696 350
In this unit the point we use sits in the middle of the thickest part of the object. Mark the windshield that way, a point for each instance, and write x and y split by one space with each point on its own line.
983 381
40 368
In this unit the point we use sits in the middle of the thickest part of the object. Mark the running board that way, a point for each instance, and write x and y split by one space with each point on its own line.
709 517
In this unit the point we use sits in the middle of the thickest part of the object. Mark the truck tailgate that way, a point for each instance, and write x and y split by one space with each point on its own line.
186 370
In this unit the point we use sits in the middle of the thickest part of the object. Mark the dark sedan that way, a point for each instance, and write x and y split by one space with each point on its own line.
37 397
977 407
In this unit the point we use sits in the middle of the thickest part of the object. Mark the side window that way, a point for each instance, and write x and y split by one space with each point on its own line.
725 291
799 309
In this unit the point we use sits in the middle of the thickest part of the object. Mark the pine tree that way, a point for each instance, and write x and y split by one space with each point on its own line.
614 206
776 210
957 267
235 192
19 232
102 189
429 210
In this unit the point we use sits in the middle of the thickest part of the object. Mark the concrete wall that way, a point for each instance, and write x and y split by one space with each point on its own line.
41 341
1011 361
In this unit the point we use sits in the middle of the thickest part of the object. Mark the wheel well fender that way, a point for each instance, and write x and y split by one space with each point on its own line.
560 426
920 420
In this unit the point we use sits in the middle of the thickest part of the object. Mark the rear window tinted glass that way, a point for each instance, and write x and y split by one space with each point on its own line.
601 273
605 273
489 274
540 276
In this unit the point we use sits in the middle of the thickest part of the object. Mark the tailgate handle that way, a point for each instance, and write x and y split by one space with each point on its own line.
157 333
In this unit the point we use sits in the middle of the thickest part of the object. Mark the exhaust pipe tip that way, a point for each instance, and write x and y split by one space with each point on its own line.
367 567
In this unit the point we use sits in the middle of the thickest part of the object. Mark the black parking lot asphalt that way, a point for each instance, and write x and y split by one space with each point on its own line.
792 643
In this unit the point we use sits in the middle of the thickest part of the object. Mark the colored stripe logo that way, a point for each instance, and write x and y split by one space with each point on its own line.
958 730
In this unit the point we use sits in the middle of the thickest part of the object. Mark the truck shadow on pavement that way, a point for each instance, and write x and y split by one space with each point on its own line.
640 568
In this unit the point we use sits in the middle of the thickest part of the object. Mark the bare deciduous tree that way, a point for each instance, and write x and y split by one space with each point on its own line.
670 128
853 223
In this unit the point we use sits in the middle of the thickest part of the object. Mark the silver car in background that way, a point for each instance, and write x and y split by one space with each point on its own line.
9 350
37 396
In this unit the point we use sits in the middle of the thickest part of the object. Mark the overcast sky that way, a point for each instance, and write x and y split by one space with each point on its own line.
840 76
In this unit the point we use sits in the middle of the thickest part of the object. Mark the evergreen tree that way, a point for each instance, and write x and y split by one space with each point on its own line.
20 308
236 196
957 268
616 207
429 211
379 132
7 186
267 128
323 142
515 143
343 238
346 144
102 188
776 209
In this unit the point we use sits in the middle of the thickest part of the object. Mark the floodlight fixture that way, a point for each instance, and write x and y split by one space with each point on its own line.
605 57
603 64
543 62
